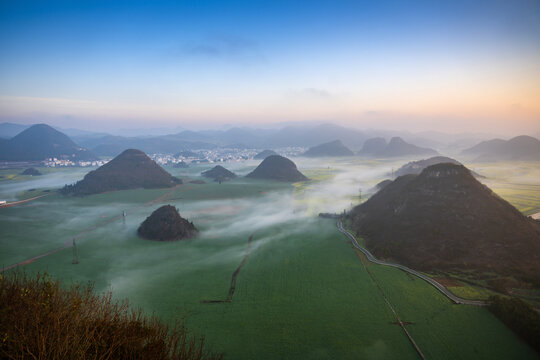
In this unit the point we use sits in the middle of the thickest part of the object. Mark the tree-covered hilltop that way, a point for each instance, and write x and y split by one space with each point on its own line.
31 171
166 224
444 218
276 167
219 173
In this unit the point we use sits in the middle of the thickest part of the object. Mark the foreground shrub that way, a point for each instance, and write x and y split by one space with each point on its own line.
41 320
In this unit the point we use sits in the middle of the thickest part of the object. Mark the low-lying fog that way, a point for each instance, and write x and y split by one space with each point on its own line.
279 214
49 180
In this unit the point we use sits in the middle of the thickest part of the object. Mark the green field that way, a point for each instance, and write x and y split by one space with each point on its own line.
517 183
303 293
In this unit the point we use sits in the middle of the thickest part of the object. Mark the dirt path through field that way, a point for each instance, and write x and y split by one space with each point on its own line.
21 201
234 276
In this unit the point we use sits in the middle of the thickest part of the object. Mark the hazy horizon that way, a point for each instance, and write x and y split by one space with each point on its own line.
452 67
149 129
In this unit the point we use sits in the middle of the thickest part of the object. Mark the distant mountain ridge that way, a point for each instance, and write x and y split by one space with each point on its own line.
312 136
444 218
114 145
373 146
306 136
377 147
39 142
130 170
330 149
235 137
9 130
519 148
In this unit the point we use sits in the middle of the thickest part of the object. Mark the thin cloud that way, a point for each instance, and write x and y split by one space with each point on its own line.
226 47
317 93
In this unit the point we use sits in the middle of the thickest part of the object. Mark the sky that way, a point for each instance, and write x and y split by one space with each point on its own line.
454 66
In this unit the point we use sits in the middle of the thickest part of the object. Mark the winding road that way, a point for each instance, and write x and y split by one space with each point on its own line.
455 299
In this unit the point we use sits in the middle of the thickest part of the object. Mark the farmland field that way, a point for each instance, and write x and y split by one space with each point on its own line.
304 293
517 183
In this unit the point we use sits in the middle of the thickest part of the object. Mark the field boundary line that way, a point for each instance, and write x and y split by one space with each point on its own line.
232 288
398 319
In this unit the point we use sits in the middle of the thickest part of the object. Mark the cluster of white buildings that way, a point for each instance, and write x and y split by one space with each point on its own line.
55 162
219 155
195 157
205 156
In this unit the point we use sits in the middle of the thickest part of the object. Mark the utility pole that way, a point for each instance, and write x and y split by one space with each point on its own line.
360 195
75 257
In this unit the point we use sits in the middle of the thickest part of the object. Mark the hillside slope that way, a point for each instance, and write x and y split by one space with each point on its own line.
333 148
40 142
130 170
444 218
276 167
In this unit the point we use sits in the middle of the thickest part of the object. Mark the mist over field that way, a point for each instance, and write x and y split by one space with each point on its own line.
49 180
295 261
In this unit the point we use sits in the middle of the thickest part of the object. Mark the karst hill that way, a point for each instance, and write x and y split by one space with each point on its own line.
131 169
444 218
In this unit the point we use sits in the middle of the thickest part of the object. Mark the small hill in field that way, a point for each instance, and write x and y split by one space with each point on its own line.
166 224
276 167
32 172
131 169
219 173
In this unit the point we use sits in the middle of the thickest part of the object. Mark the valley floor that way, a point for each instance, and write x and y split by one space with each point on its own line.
303 291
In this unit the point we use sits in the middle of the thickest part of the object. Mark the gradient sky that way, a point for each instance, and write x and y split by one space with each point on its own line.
419 65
